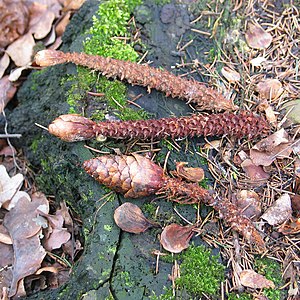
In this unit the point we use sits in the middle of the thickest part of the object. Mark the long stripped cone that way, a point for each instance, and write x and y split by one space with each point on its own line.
137 176
192 91
74 127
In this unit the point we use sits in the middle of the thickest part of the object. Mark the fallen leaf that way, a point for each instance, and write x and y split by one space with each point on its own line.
61 26
230 74
190 174
257 61
8 91
175 238
21 50
249 203
8 205
290 227
16 73
72 4
269 89
274 146
250 278
296 204
4 63
255 172
43 25
46 269
28 252
293 109
257 37
50 39
280 211
9 185
130 218
57 234
14 21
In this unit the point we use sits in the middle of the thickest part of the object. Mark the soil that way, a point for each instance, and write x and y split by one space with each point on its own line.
113 262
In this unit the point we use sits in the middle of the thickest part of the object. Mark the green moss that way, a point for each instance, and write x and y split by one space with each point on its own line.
109 24
200 272
167 295
272 271
243 296
149 209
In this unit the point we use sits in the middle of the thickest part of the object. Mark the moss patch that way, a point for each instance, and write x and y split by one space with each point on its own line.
272 271
107 37
200 271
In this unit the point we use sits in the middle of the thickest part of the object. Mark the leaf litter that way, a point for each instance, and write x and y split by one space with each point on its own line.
28 236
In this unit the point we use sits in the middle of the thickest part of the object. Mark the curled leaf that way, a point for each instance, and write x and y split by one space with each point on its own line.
290 227
257 37
176 238
254 280
280 211
130 218
190 174
274 146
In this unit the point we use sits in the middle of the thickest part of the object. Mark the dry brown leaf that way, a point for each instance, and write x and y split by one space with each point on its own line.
250 278
4 63
14 21
9 185
190 174
215 144
280 211
269 89
176 238
50 39
8 205
254 172
249 203
274 146
57 234
290 227
8 91
230 74
71 4
21 50
28 252
257 37
296 204
43 25
61 26
130 218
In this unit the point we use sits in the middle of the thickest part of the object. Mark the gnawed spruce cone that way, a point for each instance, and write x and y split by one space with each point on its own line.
74 127
136 176
192 91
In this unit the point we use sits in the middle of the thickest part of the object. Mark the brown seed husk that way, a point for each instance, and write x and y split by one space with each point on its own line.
130 218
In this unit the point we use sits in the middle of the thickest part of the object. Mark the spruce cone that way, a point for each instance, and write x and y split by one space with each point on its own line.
134 176
192 91
137 176
244 124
